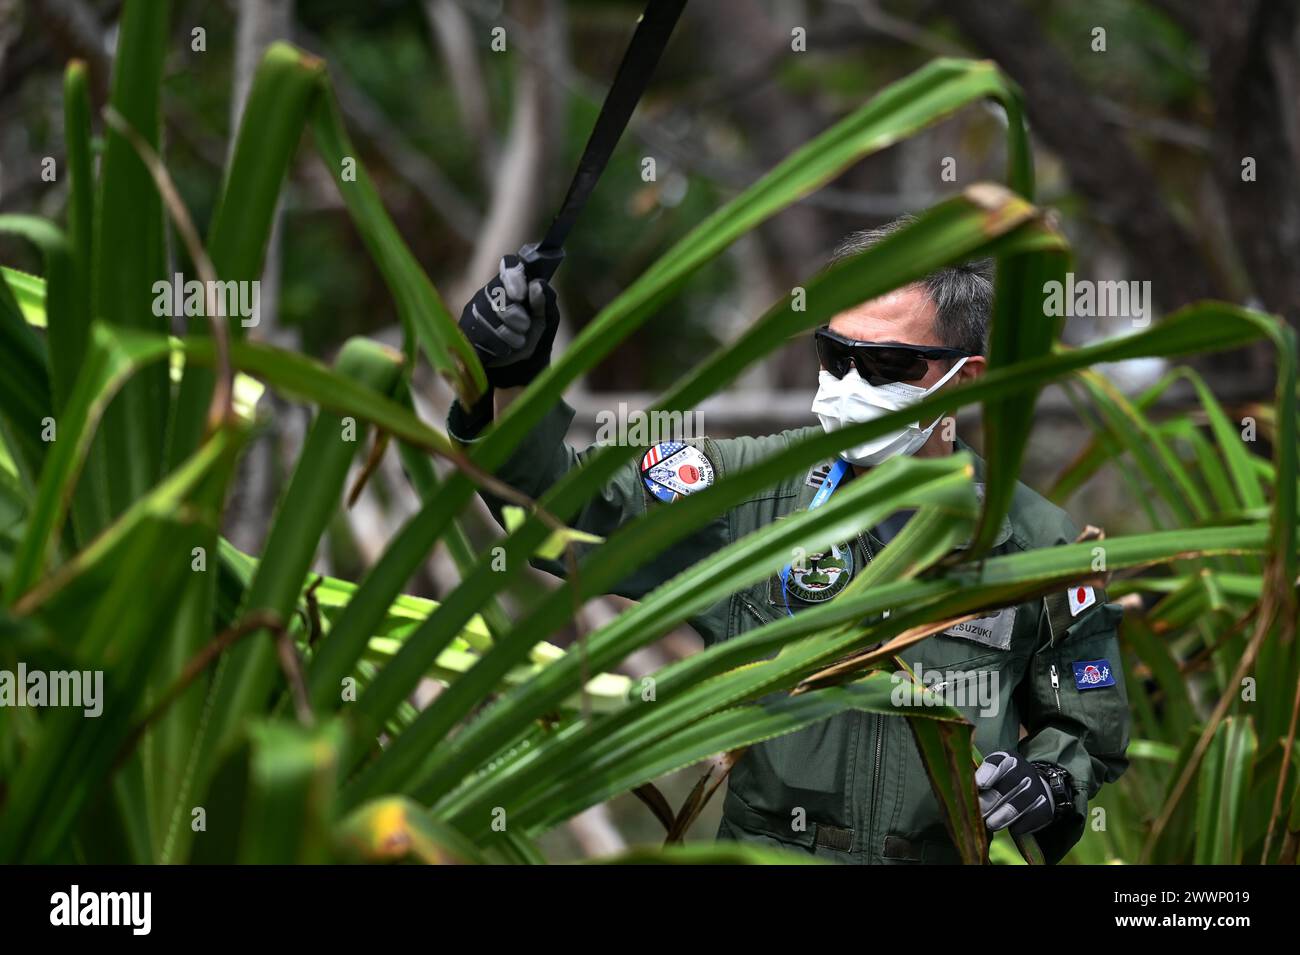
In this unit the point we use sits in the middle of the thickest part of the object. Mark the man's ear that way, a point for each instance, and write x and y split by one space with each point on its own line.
975 366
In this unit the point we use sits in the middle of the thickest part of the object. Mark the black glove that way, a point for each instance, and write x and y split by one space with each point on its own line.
1013 793
511 323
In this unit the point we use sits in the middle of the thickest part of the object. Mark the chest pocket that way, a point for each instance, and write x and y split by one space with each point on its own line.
750 609
1089 686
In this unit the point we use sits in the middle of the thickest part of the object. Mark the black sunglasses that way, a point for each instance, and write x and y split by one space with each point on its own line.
877 362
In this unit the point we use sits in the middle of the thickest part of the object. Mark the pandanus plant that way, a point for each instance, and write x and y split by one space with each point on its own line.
255 711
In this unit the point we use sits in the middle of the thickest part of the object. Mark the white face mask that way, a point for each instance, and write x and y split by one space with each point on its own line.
850 400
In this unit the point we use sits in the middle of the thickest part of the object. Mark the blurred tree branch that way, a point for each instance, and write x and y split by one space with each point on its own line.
1253 49
404 158
772 120
1245 42
519 175
11 24
76 31
885 24
37 52
1185 13
454 40
258 23
1123 191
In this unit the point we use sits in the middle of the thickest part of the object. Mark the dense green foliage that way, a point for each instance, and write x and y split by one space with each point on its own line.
279 705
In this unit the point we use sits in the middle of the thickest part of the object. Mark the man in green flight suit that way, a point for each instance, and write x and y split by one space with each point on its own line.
1052 712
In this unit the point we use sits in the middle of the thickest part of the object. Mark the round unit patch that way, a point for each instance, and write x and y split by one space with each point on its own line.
822 575
671 469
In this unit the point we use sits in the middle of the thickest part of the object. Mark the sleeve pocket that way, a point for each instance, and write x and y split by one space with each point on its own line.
1103 618
1091 693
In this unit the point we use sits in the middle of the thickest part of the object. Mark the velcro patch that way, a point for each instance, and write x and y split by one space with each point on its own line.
1092 674
671 469
817 475
1065 608
991 631
1080 598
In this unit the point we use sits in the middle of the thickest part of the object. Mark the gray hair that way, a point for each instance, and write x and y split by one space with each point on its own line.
962 294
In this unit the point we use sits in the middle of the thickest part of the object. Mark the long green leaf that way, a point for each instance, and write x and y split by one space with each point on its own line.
425 318
271 126
633 545
291 794
727 730
114 594
130 250
1225 776
753 558
109 363
245 675
25 400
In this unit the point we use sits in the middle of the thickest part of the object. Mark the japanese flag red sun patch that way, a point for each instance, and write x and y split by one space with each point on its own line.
1081 598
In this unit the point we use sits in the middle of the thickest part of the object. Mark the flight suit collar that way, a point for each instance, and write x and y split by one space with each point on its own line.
812 481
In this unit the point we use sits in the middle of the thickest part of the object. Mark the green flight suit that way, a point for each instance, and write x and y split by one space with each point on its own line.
852 788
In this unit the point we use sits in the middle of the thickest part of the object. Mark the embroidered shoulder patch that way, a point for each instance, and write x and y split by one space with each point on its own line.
819 577
1067 609
1092 674
1081 598
671 469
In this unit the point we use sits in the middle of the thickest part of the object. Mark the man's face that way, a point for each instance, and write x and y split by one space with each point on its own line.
905 316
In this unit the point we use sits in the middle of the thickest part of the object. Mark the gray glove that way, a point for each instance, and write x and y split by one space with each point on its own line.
511 322
1013 794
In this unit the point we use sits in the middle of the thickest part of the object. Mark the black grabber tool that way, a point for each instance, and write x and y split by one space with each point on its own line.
652 32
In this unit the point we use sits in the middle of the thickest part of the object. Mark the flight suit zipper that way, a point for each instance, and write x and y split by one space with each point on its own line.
1051 667
754 612
875 774
878 726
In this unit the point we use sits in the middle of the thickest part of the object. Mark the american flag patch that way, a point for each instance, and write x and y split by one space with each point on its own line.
660 451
